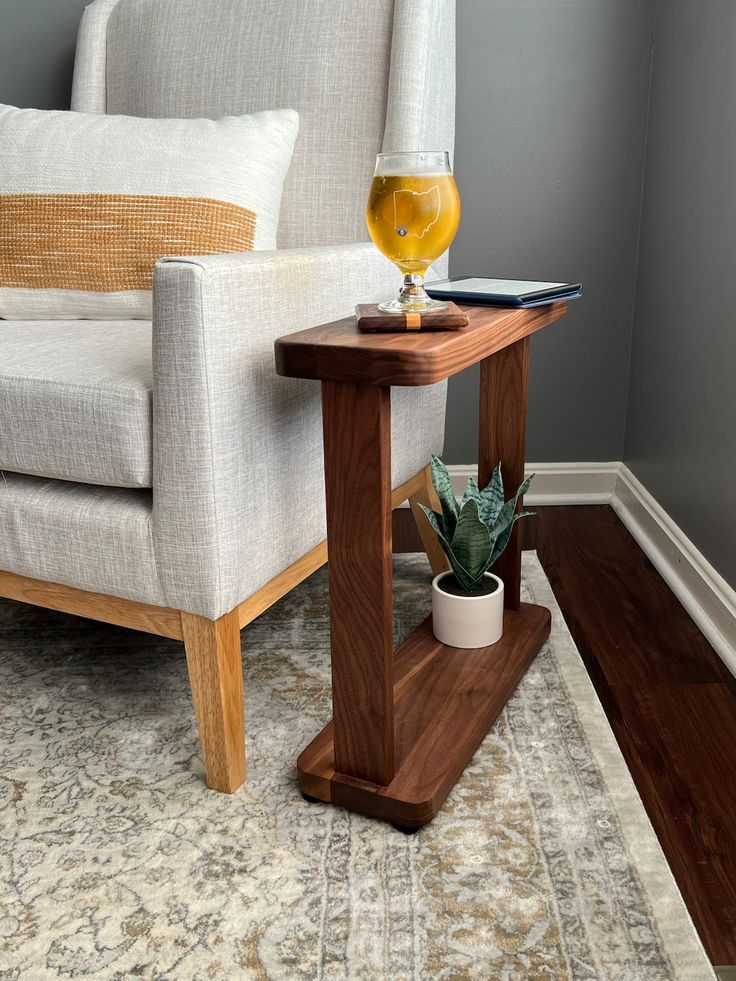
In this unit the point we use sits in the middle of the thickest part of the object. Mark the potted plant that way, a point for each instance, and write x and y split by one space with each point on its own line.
467 601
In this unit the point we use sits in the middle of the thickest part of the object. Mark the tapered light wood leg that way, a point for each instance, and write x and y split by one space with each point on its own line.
357 446
427 496
216 677
503 394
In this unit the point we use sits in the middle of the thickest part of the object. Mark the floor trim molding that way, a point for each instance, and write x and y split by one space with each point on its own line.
557 483
705 594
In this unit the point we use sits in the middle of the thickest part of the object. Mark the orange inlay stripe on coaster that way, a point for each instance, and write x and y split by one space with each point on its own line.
413 321
110 242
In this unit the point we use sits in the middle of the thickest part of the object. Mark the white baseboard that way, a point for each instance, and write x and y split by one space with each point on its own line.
705 594
557 483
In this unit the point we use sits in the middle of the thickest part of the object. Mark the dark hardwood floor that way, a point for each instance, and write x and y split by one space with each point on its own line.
670 700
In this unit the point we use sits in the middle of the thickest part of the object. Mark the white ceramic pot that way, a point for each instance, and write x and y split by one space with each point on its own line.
467 621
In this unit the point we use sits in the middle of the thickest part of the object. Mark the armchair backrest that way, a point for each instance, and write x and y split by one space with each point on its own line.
364 75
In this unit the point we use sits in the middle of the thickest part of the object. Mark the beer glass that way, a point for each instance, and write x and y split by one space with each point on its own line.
413 214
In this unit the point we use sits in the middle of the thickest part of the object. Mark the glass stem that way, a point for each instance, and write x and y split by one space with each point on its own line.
413 287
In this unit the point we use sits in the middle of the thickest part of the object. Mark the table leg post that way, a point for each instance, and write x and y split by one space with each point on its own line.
357 447
503 404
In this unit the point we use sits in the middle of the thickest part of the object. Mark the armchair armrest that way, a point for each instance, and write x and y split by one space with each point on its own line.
236 449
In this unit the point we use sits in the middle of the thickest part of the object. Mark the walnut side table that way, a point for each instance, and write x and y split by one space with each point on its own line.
406 724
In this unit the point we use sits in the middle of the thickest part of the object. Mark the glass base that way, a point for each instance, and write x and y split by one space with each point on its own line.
413 305
413 298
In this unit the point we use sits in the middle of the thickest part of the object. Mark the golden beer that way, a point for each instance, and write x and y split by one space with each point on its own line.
413 218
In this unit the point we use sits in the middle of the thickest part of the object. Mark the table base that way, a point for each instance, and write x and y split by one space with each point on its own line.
445 701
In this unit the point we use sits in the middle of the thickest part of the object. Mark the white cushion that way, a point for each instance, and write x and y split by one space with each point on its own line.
75 400
88 203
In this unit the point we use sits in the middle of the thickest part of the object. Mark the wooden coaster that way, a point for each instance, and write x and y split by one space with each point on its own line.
370 318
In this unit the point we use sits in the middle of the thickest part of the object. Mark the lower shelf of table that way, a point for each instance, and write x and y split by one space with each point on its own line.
445 701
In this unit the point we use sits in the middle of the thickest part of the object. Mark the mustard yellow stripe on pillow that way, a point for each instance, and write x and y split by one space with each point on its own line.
110 242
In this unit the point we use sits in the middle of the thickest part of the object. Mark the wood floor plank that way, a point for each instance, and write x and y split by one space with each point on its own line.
613 593
687 781
670 700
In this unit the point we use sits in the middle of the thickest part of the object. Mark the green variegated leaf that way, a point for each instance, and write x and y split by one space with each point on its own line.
461 573
491 497
471 493
436 521
500 544
463 577
505 515
443 486
471 544
504 519
503 539
524 487
475 534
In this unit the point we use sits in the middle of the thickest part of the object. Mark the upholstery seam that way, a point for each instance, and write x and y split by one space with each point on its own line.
61 478
127 394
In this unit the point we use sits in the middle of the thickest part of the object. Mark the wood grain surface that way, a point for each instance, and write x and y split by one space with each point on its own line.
369 317
96 606
504 381
357 448
216 677
340 352
404 730
446 700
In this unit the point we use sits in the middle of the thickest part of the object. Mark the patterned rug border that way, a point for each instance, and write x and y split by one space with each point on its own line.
671 915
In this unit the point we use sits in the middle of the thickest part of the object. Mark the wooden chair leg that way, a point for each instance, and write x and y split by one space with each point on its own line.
216 676
426 495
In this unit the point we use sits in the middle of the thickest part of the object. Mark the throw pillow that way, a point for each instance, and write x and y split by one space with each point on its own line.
89 203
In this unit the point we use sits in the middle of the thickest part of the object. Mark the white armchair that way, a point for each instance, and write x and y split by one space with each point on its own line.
233 514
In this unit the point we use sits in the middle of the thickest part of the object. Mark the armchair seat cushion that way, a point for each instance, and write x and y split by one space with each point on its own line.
75 400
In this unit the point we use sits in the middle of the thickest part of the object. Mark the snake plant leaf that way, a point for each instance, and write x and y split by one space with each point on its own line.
471 493
503 539
474 534
505 515
491 497
437 524
504 519
435 521
467 582
443 486
523 487
471 544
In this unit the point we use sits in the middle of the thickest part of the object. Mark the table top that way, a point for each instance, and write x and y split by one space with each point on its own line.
338 351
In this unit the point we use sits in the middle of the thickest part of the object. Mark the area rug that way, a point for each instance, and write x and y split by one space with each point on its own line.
117 863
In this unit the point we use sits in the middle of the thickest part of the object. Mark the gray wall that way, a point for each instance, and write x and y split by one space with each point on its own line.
551 114
681 426
37 40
